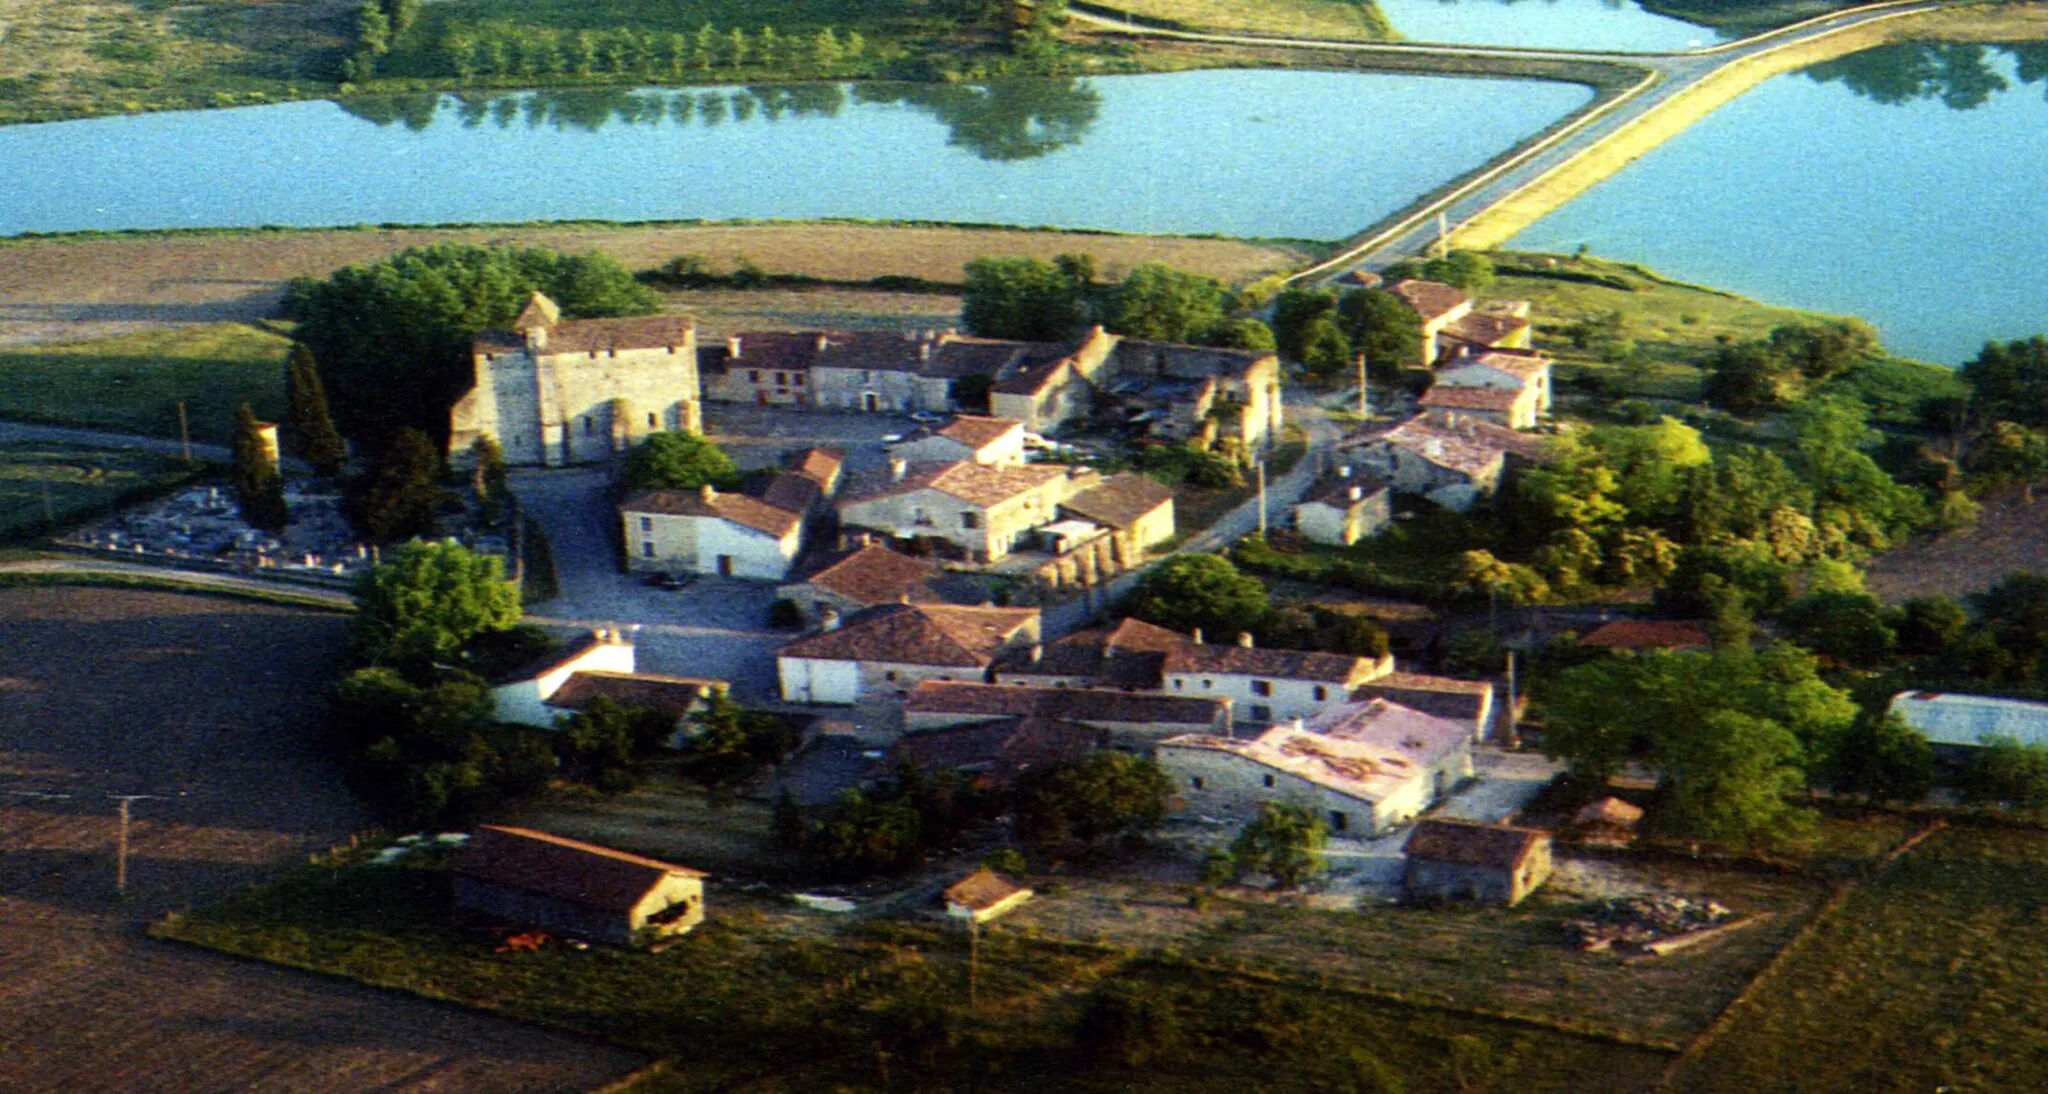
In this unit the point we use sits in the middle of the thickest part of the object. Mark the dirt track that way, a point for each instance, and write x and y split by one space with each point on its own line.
204 703
70 289
2010 536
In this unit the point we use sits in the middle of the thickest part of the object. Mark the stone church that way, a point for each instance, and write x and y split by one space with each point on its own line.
553 391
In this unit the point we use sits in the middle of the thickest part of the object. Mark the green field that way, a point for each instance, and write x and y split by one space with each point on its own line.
132 383
74 482
1354 20
1928 978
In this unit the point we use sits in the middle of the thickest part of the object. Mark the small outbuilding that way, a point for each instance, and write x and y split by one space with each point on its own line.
1609 822
983 895
1462 860
568 887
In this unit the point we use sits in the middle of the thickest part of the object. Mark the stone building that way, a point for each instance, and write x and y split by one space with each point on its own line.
975 512
766 368
575 889
1132 720
1344 508
1462 860
1362 770
1453 460
892 648
554 391
991 442
709 531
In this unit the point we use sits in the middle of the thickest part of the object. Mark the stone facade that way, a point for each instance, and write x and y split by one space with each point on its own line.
708 532
1489 863
554 392
982 513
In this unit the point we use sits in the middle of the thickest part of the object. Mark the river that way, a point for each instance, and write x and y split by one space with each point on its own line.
1289 154
1619 26
1902 185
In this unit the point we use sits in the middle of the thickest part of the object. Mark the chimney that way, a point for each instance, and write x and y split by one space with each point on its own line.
1198 636
1037 652
898 468
1244 640
822 343
1357 493
1344 471
707 492
828 619
902 598
732 346
924 352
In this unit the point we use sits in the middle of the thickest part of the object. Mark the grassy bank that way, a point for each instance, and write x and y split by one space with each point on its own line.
133 383
45 486
1345 20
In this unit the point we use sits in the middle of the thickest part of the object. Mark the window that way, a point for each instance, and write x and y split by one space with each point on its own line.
1195 782
647 549
1322 693
1262 687
890 676
782 379
866 377
586 425
653 420
1262 714
1339 820
1178 683
647 524
970 519
753 376
1269 781
797 378
1207 684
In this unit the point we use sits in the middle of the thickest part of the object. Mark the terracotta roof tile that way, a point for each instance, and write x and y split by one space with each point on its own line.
982 889
1430 299
820 465
1368 750
875 575
1485 328
1451 397
978 432
1085 705
997 752
1120 501
1468 844
598 335
672 695
918 634
563 869
1649 634
1336 492
793 493
738 508
1335 668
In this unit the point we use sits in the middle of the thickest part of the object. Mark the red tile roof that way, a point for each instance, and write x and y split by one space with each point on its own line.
820 465
1485 328
672 695
996 752
738 508
1120 501
1449 397
876 575
561 868
977 432
1336 492
1468 844
1129 655
1336 668
591 336
918 634
1430 299
1085 705
982 890
973 483
793 493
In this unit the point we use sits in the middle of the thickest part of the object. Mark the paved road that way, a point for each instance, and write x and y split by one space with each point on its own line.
1665 76
26 433
198 580
1281 492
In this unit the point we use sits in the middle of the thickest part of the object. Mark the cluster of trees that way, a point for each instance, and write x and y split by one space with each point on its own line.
1098 800
1284 842
1036 300
1637 506
506 49
378 24
414 719
677 461
1325 331
392 338
1467 270
1770 373
1192 591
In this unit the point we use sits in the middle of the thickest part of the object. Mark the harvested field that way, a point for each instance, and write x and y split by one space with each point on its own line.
89 287
207 705
2011 535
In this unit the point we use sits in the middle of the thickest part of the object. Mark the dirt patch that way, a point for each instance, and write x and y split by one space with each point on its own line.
2010 536
206 705
70 289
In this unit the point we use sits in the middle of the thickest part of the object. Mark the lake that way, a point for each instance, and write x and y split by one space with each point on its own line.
1315 155
1902 185
1609 25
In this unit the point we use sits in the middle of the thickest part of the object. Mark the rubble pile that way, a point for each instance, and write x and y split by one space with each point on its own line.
1637 923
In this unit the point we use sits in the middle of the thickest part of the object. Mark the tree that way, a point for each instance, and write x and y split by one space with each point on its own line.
1325 352
393 338
2005 770
1928 625
1467 270
423 605
259 489
2010 381
1849 628
373 28
1027 299
401 494
1241 334
1883 759
856 835
1285 842
1728 777
1160 303
1480 572
1825 349
1129 1023
1384 328
1650 464
826 52
1747 378
606 745
313 435
1294 310
1100 796
729 743
1198 591
677 461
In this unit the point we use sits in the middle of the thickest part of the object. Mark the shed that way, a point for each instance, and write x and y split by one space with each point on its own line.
983 895
569 887
1461 860
1609 822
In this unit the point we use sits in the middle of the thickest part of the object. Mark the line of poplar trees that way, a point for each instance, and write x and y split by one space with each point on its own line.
498 49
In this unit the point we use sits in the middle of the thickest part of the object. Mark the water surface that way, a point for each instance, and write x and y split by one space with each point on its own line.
1606 25
1250 153
1903 185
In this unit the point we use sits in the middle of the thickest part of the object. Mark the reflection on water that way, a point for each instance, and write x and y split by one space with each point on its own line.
1002 121
1959 75
1604 25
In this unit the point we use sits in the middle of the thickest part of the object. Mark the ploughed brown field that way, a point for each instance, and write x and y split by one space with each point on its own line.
2010 536
206 704
70 289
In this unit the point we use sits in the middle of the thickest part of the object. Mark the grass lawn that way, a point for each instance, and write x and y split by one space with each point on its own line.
78 481
1927 978
1341 19
133 383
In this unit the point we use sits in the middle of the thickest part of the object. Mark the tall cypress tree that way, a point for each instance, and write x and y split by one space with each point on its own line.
313 433
258 487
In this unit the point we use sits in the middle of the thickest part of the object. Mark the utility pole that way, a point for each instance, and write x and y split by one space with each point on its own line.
973 957
184 433
1260 467
121 841
1443 236
1509 736
1364 401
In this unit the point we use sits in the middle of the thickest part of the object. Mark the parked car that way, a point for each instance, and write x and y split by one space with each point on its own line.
674 582
655 580
926 417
